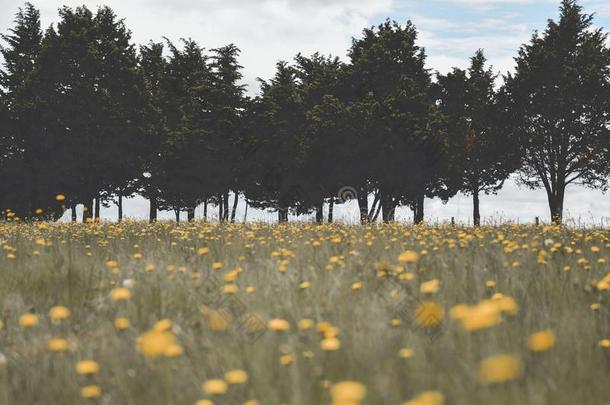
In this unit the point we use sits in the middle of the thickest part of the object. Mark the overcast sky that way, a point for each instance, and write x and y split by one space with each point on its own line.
269 30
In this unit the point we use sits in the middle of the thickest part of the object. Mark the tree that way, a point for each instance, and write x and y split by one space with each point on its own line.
187 113
153 68
322 171
85 92
389 75
275 144
482 158
223 144
26 184
558 102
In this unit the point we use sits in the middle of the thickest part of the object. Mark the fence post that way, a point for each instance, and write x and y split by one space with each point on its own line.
537 221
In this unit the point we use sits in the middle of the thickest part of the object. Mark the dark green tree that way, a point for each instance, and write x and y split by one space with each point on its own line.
482 157
153 67
25 183
275 144
389 75
224 143
558 103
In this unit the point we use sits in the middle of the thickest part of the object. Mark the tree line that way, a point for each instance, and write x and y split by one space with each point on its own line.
87 114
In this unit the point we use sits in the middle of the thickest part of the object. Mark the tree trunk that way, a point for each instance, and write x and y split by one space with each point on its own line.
235 202
331 209
226 206
556 203
376 216
320 213
87 210
205 210
374 208
73 212
418 216
120 205
220 208
476 214
282 215
190 214
246 212
152 214
177 213
388 208
97 209
363 205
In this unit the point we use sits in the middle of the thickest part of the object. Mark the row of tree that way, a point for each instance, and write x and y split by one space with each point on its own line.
86 114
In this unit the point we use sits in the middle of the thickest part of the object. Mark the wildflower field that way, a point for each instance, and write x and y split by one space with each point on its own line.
209 313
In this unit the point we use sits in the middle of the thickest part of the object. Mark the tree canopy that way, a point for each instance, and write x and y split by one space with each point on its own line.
88 115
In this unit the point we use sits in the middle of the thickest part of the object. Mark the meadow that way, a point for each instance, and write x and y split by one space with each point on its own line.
209 313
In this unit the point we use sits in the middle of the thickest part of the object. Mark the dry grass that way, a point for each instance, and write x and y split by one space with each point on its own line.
356 283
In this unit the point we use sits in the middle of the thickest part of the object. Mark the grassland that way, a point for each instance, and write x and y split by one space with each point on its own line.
169 314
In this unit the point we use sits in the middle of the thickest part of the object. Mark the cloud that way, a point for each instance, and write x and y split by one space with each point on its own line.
265 30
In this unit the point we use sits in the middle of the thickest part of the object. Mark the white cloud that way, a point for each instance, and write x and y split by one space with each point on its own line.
266 30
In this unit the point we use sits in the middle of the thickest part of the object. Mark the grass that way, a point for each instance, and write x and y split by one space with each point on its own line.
347 279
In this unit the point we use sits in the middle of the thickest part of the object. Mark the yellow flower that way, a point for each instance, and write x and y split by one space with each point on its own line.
156 343
217 321
112 264
605 343
280 325
347 392
120 294
173 350
230 289
60 197
59 313
252 402
408 256
429 314
216 265
405 353
203 251
500 368
57 345
163 325
121 323
236 376
357 285
204 402
490 284
305 324
304 285
427 398
429 287
541 341
87 367
330 344
214 387
91 391
28 321
286 359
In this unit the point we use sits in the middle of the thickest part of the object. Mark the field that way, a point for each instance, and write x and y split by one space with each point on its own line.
208 313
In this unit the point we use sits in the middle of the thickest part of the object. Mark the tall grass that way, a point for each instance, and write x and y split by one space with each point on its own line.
354 281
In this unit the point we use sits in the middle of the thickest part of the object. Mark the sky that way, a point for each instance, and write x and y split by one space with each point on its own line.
270 30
